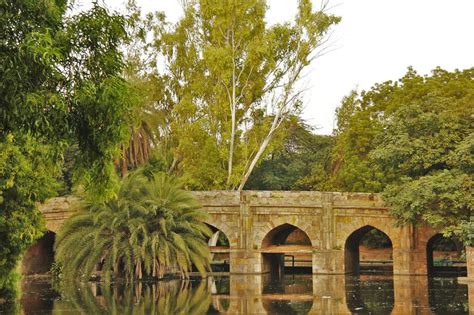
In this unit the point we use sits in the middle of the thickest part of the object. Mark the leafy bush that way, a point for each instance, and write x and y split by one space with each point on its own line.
466 232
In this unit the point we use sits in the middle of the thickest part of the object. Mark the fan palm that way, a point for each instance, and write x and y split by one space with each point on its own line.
150 228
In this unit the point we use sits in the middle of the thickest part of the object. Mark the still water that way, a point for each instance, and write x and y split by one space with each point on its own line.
256 294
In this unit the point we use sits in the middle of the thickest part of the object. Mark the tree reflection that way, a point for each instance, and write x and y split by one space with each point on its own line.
290 294
9 292
256 294
170 297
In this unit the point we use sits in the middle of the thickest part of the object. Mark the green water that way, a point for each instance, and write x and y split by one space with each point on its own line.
290 294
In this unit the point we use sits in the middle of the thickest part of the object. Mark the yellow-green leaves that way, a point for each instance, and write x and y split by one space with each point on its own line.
230 80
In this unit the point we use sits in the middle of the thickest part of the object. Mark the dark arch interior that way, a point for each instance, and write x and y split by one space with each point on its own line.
286 248
286 234
39 257
444 256
376 259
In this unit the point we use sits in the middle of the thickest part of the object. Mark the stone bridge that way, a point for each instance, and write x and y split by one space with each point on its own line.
326 227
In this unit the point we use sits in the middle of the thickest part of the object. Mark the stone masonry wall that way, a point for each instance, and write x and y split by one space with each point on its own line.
327 218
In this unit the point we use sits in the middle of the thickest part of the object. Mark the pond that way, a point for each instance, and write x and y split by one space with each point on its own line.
255 294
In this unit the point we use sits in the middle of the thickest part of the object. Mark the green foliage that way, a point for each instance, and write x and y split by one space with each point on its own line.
414 140
26 178
441 199
351 170
227 77
466 231
60 87
101 98
376 239
152 227
56 271
222 240
61 82
301 162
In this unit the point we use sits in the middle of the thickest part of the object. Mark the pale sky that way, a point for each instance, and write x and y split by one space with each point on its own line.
376 41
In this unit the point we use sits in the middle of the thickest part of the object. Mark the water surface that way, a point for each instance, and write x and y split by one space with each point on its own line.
255 294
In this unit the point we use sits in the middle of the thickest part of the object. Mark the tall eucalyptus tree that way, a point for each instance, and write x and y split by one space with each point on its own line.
230 80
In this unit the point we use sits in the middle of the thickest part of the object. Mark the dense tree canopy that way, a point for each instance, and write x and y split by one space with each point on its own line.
301 162
413 140
228 80
60 85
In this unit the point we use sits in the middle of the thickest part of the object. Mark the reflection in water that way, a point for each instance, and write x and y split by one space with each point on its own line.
447 296
370 294
288 284
38 296
290 294
253 294
171 297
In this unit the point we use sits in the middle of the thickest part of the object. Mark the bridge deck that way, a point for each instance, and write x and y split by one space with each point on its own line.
287 249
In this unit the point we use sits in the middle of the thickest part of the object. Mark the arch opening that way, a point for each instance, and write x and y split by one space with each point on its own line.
368 250
445 256
286 248
39 257
219 247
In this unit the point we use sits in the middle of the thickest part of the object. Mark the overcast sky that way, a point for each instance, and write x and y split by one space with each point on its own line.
376 41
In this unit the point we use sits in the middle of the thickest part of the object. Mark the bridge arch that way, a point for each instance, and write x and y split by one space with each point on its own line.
219 247
352 248
217 236
39 257
260 233
230 234
384 224
328 219
286 247
444 255
280 235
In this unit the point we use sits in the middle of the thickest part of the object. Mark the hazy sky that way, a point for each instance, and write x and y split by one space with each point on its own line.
376 41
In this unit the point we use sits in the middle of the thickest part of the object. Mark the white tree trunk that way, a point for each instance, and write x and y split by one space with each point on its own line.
233 108
276 122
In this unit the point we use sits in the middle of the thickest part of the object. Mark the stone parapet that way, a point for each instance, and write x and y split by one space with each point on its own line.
330 220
